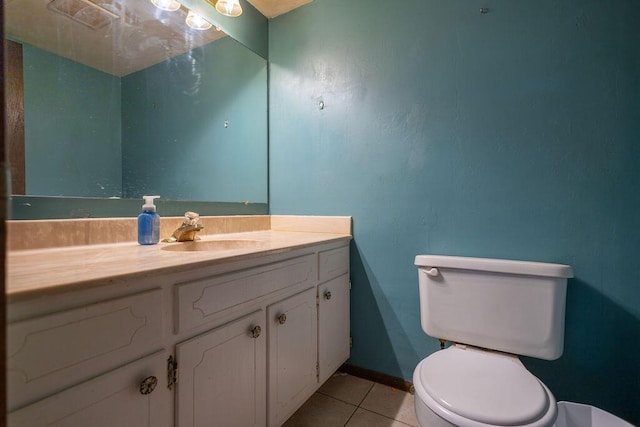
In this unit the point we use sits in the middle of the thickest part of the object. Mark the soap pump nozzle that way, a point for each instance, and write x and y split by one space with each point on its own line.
148 203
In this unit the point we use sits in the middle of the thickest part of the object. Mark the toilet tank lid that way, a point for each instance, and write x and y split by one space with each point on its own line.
495 265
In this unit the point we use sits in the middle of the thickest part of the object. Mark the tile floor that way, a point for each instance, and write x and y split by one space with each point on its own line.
348 401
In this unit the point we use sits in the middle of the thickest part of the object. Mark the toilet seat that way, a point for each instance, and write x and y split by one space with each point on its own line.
470 387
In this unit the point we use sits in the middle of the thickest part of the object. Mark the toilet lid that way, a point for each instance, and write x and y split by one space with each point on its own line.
487 387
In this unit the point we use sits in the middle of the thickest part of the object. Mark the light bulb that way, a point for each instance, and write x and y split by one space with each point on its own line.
197 22
229 7
168 5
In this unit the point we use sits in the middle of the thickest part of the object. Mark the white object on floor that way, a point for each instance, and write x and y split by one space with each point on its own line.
578 415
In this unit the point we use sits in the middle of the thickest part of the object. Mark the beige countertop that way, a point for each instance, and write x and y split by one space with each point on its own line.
43 271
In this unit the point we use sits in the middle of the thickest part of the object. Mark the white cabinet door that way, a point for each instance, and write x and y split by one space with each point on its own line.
292 333
112 399
222 376
333 325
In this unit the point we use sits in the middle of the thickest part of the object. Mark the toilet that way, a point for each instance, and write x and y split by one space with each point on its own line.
491 311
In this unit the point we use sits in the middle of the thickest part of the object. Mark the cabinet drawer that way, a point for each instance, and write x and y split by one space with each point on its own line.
204 300
333 263
49 353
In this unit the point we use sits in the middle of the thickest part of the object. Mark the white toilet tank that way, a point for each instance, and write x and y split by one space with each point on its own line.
516 307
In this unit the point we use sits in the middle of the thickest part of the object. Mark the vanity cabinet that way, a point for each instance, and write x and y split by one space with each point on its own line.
242 343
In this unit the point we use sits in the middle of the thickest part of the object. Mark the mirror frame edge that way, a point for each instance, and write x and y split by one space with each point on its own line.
52 207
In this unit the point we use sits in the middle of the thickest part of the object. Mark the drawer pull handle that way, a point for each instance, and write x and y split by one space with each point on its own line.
148 385
256 331
327 295
282 318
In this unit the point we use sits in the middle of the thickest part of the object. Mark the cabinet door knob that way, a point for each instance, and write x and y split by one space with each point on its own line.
327 295
148 385
255 331
282 318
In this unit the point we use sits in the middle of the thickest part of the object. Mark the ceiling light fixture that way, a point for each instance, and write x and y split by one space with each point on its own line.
168 5
230 8
197 22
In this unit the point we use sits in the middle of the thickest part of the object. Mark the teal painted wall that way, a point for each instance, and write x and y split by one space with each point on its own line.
512 134
174 120
72 127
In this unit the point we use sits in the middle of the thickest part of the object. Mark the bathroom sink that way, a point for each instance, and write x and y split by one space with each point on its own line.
212 245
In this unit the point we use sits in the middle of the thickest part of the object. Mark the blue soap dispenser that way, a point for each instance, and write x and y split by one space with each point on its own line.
149 223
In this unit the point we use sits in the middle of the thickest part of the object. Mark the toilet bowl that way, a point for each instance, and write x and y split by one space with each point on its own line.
469 387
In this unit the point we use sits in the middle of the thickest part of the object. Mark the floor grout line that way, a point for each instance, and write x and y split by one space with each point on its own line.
366 394
351 416
337 398
358 406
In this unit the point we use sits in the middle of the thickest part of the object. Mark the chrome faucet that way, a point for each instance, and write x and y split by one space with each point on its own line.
187 231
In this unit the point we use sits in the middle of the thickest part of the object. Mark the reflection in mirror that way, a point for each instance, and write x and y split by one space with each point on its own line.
121 99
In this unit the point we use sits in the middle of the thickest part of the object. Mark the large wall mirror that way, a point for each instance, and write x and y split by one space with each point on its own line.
120 99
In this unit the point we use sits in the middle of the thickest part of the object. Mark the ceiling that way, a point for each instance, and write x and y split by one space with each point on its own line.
118 37
273 8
